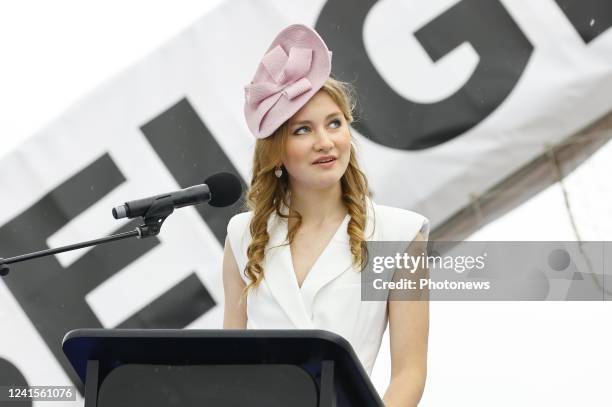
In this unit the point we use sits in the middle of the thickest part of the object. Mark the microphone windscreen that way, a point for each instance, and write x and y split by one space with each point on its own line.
225 189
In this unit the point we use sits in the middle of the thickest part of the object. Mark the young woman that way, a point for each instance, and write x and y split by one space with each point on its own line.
294 259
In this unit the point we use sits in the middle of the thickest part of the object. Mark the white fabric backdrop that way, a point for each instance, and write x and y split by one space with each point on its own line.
564 87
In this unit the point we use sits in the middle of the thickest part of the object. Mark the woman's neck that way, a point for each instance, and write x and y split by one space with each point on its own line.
318 206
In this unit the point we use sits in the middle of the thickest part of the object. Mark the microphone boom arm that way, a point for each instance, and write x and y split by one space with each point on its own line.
153 221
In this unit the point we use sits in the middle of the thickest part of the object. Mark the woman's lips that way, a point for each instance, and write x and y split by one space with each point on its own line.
328 164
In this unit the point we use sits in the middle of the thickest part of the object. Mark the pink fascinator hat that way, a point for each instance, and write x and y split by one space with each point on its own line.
294 68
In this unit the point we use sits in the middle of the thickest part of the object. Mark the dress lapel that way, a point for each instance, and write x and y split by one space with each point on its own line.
334 260
280 276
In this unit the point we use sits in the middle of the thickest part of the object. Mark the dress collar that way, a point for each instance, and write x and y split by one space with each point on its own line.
280 276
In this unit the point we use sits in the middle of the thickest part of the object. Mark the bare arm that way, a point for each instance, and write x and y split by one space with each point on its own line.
234 313
409 332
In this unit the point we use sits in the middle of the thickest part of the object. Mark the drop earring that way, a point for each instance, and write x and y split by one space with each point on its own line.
278 172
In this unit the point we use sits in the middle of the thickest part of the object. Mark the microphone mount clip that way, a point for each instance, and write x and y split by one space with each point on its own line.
155 217
4 269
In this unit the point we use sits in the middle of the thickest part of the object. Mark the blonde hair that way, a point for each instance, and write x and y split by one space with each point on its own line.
267 194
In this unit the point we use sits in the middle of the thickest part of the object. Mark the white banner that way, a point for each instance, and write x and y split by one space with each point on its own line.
454 96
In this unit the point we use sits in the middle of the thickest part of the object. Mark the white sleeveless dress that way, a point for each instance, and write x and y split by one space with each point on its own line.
330 296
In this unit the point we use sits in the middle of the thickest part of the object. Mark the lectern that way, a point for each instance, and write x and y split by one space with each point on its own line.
191 367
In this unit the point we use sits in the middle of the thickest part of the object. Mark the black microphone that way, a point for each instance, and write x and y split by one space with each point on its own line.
222 189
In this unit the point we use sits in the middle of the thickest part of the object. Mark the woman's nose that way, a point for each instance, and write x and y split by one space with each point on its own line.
323 140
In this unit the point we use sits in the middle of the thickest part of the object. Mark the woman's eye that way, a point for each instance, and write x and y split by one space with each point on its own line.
301 130
336 123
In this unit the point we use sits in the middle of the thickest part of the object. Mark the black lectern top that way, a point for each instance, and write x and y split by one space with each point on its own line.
306 349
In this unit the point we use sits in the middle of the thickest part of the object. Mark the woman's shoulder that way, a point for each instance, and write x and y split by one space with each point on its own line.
238 236
399 224
242 217
393 212
239 223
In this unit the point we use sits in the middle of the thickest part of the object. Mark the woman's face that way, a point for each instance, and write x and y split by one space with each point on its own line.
317 130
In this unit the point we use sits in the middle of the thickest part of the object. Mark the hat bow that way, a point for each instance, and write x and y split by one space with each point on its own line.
288 73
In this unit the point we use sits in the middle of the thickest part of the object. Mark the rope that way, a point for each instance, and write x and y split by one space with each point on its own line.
550 152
